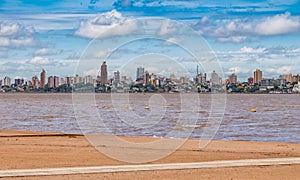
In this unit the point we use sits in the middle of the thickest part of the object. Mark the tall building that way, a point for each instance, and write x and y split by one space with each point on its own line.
35 82
250 81
215 79
124 79
56 81
62 81
88 79
257 76
184 80
147 78
51 82
287 77
68 81
117 76
140 72
104 73
43 79
200 78
232 78
19 81
173 77
296 78
6 81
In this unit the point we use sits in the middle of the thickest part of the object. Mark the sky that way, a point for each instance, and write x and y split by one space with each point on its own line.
67 37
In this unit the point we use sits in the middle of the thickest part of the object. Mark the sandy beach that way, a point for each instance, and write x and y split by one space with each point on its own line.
26 150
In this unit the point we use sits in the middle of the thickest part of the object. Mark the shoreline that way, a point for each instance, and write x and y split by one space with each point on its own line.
27 149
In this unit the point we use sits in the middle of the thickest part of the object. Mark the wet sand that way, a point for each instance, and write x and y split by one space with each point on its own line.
25 150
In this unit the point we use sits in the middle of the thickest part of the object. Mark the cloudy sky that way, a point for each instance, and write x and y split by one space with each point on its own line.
56 34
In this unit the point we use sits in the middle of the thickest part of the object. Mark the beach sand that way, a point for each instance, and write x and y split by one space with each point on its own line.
25 150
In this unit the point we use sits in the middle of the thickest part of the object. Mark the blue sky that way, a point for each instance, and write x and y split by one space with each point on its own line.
53 34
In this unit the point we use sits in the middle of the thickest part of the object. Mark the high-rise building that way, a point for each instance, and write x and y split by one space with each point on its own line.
35 82
232 78
146 78
51 82
215 79
257 76
19 81
43 79
56 81
200 78
250 80
104 73
6 81
78 79
183 80
88 79
117 76
287 77
140 72
172 77
296 78
68 81
124 79
62 81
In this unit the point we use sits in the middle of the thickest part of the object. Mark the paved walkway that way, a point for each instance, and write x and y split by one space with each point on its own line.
147 167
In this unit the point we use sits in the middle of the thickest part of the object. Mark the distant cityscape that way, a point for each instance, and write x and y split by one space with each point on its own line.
149 82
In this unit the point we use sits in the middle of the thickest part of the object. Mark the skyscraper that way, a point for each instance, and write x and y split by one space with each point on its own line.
215 79
43 79
257 76
139 72
104 73
250 80
232 78
287 77
35 82
200 78
51 82
117 76
6 81
56 81
147 78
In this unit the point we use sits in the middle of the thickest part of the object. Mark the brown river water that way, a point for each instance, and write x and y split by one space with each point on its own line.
277 116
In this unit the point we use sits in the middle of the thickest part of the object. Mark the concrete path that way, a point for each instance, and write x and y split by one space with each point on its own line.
147 167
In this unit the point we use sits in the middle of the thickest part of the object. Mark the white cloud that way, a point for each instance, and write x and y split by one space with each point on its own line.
17 42
39 61
102 54
281 70
204 19
14 29
239 70
234 39
16 35
46 51
4 42
92 72
248 29
9 29
167 28
172 41
74 55
106 25
246 49
279 24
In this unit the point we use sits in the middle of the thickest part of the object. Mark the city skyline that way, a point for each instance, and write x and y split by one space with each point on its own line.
141 72
243 35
